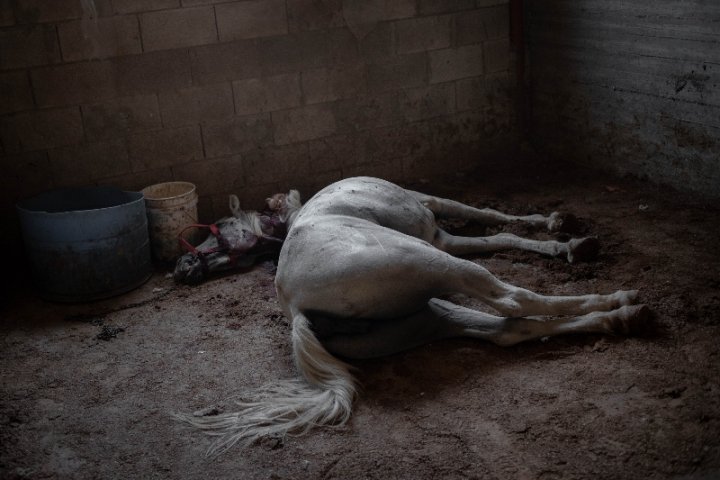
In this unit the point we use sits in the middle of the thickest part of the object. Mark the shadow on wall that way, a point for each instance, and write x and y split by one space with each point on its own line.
629 87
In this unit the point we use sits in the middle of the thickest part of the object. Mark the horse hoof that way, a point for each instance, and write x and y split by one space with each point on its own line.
583 249
632 320
563 223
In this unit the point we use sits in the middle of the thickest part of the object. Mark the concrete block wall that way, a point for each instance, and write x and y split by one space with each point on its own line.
630 86
248 97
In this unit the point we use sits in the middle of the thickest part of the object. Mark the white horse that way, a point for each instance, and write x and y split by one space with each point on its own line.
361 274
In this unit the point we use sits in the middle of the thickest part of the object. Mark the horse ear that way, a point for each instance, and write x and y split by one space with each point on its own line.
292 205
235 205
294 198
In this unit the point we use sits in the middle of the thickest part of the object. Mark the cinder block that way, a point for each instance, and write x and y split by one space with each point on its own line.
24 175
396 9
252 197
105 37
428 102
28 46
86 163
214 176
7 17
497 55
43 11
41 129
184 27
455 63
309 185
483 93
389 169
491 3
103 8
403 71
367 111
74 83
473 127
238 135
15 93
451 139
225 62
152 72
250 19
338 151
327 47
473 93
329 84
426 167
255 95
281 54
164 148
277 164
314 14
479 25
137 6
362 15
379 43
497 23
397 141
494 115
194 3
428 7
421 139
193 105
136 181
421 34
300 51
120 117
305 123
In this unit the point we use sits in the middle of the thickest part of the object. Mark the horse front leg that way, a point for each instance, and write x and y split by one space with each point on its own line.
575 250
444 208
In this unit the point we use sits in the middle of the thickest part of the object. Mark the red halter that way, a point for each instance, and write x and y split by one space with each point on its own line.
223 246
222 241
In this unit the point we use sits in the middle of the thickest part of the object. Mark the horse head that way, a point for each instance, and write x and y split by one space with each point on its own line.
237 241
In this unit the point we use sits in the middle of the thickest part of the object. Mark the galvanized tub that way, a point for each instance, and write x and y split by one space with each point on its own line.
86 243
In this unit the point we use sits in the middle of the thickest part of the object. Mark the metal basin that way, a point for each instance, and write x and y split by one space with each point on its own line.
86 243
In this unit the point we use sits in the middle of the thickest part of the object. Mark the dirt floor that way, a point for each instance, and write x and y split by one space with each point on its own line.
87 390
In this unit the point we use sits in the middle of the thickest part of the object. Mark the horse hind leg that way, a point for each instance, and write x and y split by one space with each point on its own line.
464 276
506 331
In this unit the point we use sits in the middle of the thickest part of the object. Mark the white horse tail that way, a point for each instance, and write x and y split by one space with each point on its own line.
323 397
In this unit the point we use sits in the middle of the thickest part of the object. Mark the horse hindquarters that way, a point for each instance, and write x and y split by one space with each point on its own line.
361 270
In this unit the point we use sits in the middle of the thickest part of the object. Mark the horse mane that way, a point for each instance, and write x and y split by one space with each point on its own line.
291 208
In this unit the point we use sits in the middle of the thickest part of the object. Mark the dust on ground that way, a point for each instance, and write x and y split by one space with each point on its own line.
87 391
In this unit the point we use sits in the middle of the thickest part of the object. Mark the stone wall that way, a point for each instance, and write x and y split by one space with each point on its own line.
248 97
630 86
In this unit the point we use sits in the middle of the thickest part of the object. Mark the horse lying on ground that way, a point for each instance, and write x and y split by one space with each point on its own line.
361 274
